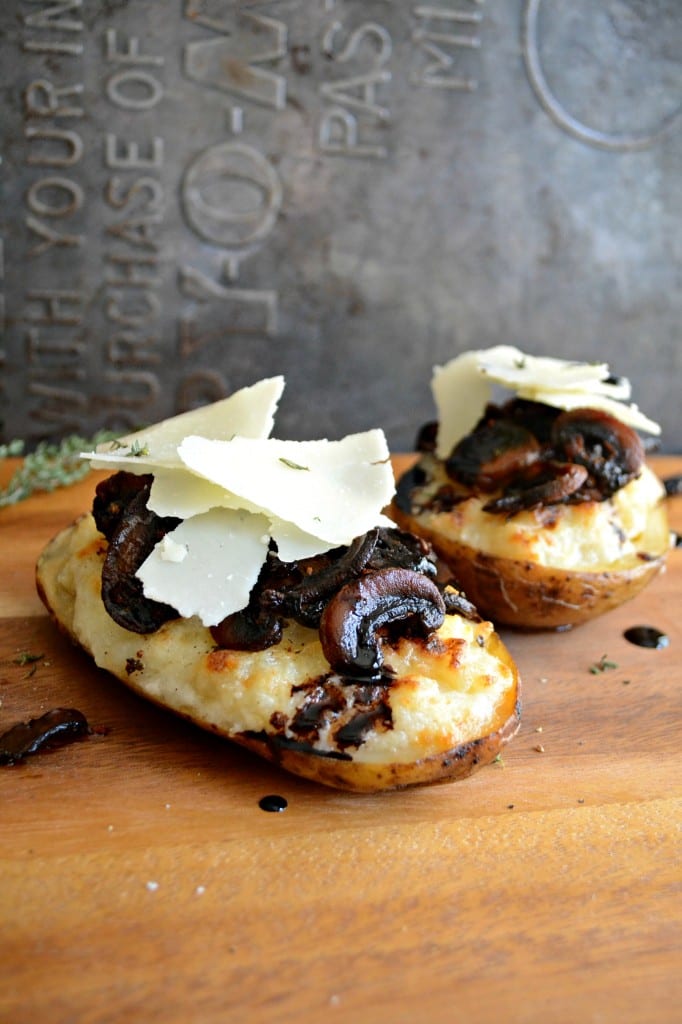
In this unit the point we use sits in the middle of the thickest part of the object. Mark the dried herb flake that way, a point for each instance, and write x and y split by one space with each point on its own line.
293 465
602 665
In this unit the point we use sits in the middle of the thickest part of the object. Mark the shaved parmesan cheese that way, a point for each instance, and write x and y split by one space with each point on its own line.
332 490
293 543
464 386
508 365
179 492
461 394
225 550
249 412
629 414
235 489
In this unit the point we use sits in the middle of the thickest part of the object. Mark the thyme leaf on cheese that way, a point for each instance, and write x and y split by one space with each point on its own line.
293 465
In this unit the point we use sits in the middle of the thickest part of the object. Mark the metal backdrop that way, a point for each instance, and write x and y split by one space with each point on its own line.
200 193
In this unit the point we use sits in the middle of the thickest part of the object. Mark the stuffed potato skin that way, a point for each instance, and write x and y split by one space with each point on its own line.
259 699
521 591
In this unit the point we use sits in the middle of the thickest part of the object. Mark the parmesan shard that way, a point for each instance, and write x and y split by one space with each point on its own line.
462 388
248 412
461 394
567 400
332 490
225 551
235 489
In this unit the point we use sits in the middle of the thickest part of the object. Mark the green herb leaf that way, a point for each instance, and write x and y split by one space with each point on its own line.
602 665
137 449
26 658
293 465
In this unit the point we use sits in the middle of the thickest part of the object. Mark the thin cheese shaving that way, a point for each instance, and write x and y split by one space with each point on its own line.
332 490
235 489
225 552
462 388
249 412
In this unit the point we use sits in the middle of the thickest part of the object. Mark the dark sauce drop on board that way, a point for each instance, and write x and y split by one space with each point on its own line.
673 485
273 803
647 636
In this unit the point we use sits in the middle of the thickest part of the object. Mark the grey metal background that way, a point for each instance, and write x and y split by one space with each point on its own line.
345 192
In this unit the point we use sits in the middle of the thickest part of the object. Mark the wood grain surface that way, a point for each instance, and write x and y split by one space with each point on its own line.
141 881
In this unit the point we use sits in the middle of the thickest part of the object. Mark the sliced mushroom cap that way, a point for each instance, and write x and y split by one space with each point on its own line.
112 497
492 454
355 616
544 483
132 541
251 629
320 577
611 451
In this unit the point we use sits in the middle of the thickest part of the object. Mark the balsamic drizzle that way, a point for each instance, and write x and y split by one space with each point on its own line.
273 802
647 636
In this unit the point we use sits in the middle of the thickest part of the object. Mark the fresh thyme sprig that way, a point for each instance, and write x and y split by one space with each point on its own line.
49 466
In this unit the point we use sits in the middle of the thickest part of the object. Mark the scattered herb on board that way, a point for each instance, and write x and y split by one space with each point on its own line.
26 658
49 466
30 659
602 665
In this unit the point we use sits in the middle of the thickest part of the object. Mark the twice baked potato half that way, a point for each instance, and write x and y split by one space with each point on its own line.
438 701
541 506
539 569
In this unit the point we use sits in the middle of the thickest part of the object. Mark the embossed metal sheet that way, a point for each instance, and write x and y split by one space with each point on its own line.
199 193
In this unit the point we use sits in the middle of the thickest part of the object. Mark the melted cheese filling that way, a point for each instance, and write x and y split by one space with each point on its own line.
589 536
446 692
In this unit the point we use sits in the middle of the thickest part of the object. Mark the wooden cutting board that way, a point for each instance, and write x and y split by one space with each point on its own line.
141 881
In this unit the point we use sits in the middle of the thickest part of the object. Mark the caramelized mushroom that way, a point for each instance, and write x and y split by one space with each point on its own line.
112 497
399 549
534 416
545 483
54 728
132 541
492 454
427 436
251 629
355 616
457 603
321 577
610 450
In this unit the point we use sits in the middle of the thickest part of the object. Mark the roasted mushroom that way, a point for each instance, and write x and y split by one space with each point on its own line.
132 540
611 451
546 533
353 619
